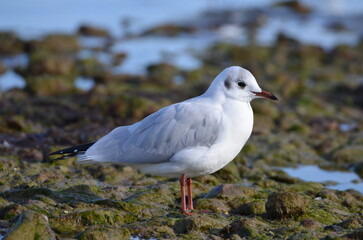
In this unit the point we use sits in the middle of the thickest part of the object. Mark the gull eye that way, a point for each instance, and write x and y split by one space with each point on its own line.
242 84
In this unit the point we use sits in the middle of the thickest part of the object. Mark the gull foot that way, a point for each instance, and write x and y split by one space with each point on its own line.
192 212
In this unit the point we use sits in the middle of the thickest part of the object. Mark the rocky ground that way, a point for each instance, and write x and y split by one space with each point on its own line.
317 122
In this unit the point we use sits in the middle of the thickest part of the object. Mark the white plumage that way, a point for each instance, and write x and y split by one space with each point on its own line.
195 137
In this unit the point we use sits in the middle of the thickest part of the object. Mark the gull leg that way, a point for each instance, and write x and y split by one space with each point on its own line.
182 193
183 206
190 194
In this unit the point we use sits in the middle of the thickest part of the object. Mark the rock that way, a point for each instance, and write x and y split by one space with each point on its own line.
250 208
285 205
351 200
3 202
104 232
228 173
200 223
49 85
245 227
170 30
92 67
10 211
31 225
118 58
87 30
156 228
16 123
348 154
162 195
230 191
328 194
22 195
295 6
10 44
78 221
162 74
55 64
215 205
358 169
351 223
54 43
82 193
2 68
356 235
310 223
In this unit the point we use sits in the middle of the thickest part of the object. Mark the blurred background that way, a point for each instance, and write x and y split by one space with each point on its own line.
70 71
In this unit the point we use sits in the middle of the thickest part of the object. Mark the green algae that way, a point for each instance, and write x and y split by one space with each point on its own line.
31 225
78 221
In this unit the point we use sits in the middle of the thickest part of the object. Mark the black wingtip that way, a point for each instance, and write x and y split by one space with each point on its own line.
73 150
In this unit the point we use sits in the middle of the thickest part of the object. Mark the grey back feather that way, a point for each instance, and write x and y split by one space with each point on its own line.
159 136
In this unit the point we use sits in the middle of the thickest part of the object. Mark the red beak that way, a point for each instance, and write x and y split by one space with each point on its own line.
266 95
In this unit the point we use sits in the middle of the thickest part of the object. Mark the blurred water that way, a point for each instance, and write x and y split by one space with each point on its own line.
32 18
10 80
343 180
150 50
84 84
35 18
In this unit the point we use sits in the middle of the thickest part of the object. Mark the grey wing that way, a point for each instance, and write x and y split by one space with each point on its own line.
159 136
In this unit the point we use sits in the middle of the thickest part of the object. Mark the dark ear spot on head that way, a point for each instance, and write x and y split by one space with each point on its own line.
227 84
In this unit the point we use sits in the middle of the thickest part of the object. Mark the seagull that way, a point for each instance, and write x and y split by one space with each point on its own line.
184 140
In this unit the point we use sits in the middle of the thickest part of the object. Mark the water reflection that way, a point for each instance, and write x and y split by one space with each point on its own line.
343 180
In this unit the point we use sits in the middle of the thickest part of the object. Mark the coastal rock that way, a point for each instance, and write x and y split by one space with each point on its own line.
281 205
31 225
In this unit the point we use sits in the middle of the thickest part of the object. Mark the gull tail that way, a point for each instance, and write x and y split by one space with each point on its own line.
78 151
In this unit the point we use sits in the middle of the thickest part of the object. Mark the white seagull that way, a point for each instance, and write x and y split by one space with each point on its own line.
192 138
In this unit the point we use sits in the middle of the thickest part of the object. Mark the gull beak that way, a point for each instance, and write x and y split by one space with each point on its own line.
266 95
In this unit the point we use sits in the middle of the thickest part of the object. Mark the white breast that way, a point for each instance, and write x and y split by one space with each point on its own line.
236 130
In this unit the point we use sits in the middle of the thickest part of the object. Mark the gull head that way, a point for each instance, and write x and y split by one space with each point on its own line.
238 83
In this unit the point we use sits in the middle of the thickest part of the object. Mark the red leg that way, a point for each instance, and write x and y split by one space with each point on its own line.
190 194
183 206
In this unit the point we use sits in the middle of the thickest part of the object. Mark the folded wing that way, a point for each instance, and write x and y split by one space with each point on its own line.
159 136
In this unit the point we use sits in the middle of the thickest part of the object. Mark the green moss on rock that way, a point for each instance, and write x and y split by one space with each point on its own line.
348 154
79 221
104 232
31 225
230 191
245 227
214 205
200 222
251 208
285 205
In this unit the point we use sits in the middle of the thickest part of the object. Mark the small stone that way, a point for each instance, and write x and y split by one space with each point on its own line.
230 191
251 208
86 30
310 223
285 205
246 227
